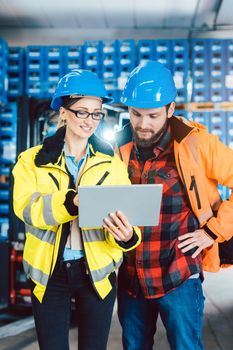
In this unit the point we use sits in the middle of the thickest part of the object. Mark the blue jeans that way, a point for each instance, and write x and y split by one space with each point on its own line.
181 312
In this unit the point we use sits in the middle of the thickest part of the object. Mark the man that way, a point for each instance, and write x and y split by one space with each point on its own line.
164 274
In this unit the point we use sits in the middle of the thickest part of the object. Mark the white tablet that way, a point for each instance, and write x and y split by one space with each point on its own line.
140 203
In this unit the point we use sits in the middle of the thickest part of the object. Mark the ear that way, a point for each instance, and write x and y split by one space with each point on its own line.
62 113
171 109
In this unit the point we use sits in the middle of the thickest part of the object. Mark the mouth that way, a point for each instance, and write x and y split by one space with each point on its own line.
144 132
86 128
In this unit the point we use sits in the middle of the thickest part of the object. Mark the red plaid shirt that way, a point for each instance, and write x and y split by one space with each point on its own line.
157 265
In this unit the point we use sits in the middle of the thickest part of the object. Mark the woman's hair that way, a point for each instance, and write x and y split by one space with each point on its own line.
66 102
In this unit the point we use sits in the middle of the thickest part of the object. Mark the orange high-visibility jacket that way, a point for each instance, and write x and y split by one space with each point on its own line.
202 162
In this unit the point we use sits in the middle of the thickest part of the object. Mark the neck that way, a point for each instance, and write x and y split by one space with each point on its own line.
76 146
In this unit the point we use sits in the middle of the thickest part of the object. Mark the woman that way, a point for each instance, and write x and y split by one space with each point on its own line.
61 260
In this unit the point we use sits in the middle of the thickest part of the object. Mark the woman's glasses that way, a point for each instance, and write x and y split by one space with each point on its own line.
81 114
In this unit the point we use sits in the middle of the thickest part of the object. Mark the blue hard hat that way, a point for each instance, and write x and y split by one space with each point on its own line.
79 82
149 85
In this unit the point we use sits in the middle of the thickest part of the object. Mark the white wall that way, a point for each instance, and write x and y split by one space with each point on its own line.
64 36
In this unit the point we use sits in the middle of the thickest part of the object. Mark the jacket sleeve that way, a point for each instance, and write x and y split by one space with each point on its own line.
121 178
220 168
42 210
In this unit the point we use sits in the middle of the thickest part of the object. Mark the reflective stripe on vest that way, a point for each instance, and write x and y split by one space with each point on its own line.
93 235
44 235
99 275
27 209
47 211
36 274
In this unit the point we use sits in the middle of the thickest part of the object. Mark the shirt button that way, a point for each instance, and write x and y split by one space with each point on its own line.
68 264
139 262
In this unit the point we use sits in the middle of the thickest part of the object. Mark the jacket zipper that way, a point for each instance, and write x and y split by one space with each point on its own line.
85 257
184 183
193 185
54 180
106 161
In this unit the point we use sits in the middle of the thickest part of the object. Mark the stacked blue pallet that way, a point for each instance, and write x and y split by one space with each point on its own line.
108 57
218 125
162 52
179 61
34 83
202 118
125 61
8 129
72 58
229 69
174 55
181 113
145 50
229 128
217 70
91 56
15 71
53 68
3 71
200 70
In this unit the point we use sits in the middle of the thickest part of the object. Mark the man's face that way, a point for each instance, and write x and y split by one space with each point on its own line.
149 124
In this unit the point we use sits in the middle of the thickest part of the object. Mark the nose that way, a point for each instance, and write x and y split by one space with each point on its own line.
143 124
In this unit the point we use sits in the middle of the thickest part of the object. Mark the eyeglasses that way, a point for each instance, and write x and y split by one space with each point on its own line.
84 114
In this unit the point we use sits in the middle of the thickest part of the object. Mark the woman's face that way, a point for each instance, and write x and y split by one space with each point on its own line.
81 128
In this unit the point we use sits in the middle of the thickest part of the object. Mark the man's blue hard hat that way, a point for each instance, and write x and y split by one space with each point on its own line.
79 82
149 85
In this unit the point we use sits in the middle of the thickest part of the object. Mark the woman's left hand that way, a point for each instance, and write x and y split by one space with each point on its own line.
118 225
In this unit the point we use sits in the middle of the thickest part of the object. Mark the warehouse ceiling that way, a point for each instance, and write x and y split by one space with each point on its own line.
117 14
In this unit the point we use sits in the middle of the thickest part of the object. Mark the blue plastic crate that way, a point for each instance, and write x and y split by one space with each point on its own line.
163 52
180 56
182 113
4 195
53 69
4 228
72 58
126 57
4 208
7 151
53 58
229 70
3 72
218 125
34 75
91 56
9 112
200 70
5 166
108 56
202 118
145 50
217 70
229 128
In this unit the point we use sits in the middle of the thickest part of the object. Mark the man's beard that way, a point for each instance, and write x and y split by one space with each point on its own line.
152 140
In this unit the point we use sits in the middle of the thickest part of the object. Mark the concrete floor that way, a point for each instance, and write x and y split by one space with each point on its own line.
217 330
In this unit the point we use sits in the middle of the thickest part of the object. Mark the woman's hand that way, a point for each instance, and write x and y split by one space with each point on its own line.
75 200
118 225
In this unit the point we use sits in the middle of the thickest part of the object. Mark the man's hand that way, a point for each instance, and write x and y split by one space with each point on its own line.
195 239
118 225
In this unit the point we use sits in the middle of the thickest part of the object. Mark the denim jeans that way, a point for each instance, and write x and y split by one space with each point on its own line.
181 312
52 316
